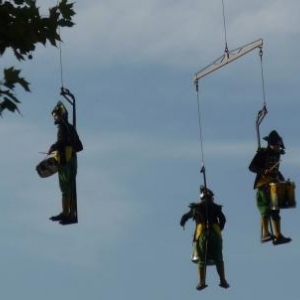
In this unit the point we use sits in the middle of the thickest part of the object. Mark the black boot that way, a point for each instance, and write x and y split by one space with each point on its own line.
57 217
281 240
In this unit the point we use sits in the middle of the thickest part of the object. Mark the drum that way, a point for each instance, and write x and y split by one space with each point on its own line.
282 195
47 167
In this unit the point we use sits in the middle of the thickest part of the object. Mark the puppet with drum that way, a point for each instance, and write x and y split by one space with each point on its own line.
63 160
273 191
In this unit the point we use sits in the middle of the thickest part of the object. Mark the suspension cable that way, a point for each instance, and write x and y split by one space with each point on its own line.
200 129
60 54
262 113
262 75
60 63
225 30
203 171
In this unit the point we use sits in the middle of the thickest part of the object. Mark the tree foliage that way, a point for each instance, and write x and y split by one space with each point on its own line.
22 28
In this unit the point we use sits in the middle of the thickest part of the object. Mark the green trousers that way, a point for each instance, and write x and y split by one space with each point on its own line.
263 204
66 177
210 247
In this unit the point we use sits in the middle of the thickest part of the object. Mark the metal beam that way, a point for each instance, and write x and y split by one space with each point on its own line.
227 58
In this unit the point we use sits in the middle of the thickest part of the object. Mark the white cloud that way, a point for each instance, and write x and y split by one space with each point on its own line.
176 33
279 19
173 33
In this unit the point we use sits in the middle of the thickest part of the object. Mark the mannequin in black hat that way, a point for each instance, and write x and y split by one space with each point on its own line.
266 166
67 167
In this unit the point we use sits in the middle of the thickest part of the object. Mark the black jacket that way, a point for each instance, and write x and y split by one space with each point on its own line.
205 212
64 139
261 163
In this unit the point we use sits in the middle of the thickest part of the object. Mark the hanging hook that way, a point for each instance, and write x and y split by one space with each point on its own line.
71 99
260 116
263 112
260 52
196 85
226 51
204 176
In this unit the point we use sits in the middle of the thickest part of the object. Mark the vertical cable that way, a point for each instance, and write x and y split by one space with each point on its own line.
60 53
202 170
200 125
262 76
225 30
60 61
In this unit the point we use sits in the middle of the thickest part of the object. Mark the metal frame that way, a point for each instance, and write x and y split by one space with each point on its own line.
227 58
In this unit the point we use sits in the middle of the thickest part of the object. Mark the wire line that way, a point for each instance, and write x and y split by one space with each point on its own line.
225 30
200 126
262 76
60 61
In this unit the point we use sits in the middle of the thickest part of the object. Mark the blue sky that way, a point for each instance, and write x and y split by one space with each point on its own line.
130 65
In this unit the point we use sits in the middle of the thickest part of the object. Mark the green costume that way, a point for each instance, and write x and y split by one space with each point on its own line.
266 166
210 221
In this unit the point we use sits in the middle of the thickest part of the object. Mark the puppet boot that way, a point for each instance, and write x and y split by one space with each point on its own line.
68 212
57 217
279 238
66 202
221 271
61 215
201 285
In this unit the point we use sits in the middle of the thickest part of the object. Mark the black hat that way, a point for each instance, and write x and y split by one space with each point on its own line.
205 193
274 139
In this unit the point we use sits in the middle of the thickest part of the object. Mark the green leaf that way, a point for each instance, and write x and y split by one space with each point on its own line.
22 27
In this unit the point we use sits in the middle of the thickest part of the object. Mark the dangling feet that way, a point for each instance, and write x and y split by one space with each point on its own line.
201 286
58 217
63 219
67 220
224 284
281 240
267 238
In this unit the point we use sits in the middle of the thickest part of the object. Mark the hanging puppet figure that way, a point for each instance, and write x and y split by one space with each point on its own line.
64 150
266 166
210 221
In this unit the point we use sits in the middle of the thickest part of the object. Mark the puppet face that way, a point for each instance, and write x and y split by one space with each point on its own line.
56 117
60 113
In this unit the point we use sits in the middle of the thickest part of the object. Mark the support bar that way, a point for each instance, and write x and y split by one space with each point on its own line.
227 58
